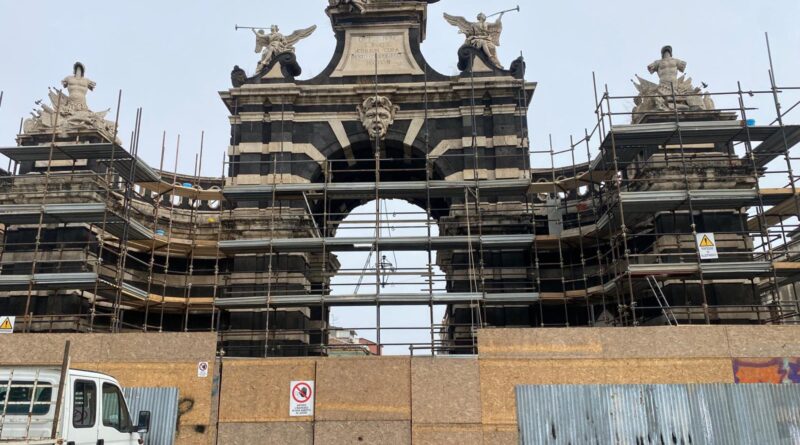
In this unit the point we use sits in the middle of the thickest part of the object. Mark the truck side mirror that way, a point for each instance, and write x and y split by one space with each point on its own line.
143 426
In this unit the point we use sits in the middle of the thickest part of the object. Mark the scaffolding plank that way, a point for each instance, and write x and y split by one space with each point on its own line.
713 270
628 139
695 132
370 299
79 280
781 211
775 145
366 244
124 162
85 213
666 200
387 190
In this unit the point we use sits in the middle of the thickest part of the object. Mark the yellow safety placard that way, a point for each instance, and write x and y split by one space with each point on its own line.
707 246
7 324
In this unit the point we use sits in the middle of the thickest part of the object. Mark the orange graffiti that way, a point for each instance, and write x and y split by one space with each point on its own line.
765 372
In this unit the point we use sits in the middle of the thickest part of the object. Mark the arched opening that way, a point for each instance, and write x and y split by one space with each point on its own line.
393 288
402 280
397 162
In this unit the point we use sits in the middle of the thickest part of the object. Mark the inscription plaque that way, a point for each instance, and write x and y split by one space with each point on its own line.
390 47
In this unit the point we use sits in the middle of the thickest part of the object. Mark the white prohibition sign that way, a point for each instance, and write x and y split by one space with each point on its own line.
301 398
202 369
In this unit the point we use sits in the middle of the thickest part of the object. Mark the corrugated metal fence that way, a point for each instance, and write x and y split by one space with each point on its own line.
163 406
659 414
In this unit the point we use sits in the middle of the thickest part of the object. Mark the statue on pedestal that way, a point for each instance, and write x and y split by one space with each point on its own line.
482 35
273 44
672 92
70 112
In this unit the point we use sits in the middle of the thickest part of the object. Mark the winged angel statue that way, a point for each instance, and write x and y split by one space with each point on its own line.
273 44
481 34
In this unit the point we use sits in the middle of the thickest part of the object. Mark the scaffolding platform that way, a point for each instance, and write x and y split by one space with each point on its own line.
371 299
387 190
627 139
712 270
124 162
90 213
49 281
638 206
366 244
780 211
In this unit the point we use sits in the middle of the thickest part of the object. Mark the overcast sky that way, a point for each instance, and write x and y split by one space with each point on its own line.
171 57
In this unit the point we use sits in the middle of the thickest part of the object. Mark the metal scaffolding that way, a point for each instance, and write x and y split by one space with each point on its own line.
606 242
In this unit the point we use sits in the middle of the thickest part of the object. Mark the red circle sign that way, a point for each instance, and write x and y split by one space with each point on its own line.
301 393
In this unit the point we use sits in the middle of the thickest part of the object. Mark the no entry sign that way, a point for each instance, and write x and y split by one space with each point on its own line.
301 398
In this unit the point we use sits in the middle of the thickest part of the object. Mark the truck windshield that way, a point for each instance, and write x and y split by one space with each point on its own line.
115 413
20 395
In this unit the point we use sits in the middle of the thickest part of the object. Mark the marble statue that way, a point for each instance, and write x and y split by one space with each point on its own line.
672 92
273 44
667 67
377 115
70 112
355 5
481 34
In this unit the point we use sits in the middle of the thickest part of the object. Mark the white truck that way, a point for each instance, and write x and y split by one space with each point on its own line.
90 411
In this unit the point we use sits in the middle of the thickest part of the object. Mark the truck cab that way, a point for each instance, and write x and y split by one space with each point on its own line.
92 411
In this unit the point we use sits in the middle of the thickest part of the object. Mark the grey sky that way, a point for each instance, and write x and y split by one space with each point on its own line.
171 57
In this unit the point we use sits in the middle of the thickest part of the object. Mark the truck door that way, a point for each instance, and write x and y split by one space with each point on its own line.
81 411
115 426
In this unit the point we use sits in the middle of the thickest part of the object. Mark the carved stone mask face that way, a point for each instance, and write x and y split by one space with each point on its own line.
377 118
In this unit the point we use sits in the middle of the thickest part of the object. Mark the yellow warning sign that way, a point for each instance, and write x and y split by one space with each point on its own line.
707 246
7 325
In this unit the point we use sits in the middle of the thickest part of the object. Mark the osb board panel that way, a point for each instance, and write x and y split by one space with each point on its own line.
258 390
271 433
639 342
500 435
194 392
500 377
764 341
135 348
194 435
441 434
363 389
362 432
445 390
